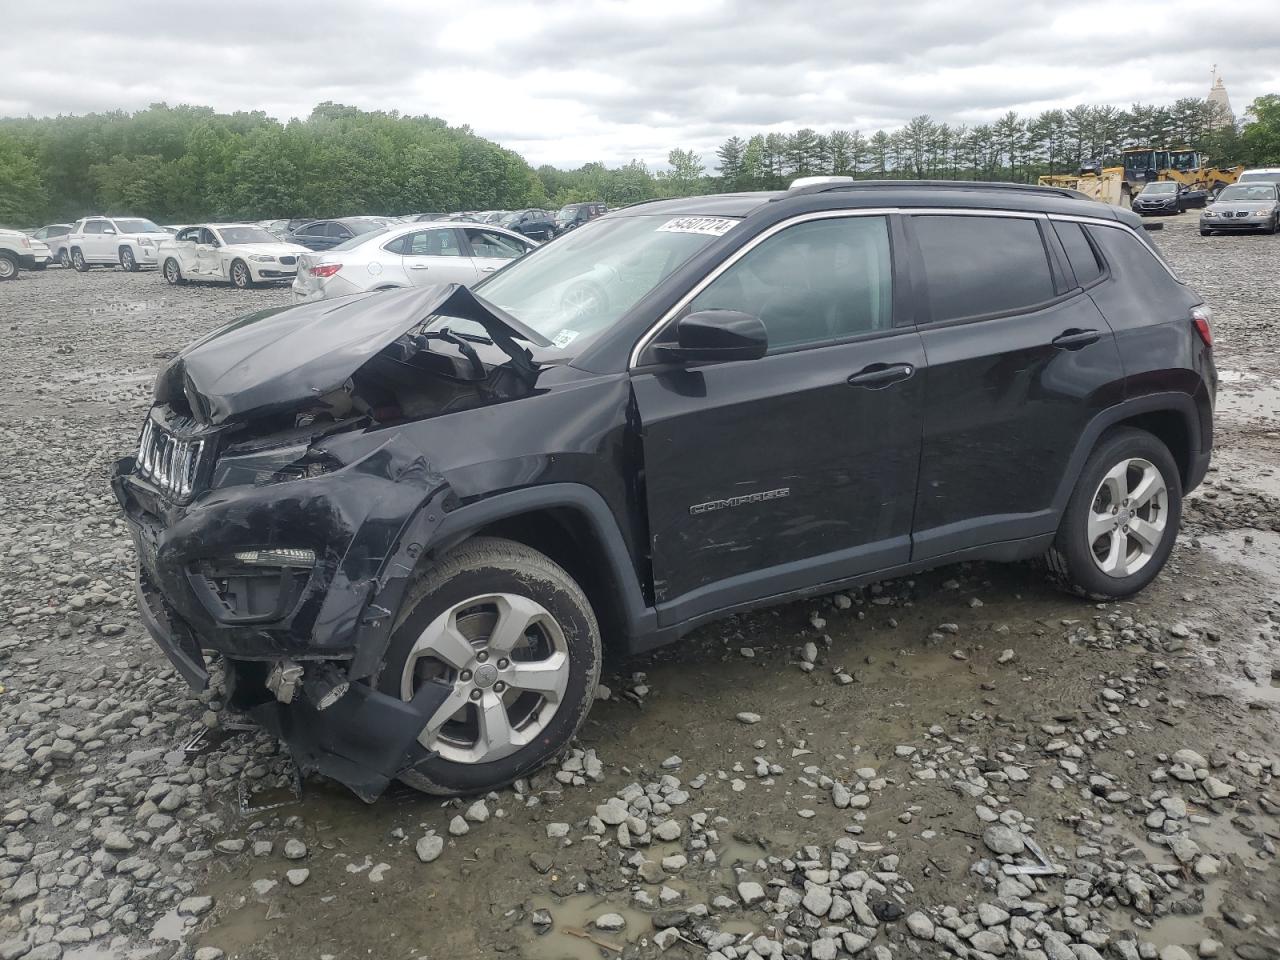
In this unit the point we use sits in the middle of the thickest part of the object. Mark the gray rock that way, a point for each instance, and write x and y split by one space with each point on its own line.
610 921
824 948
195 906
298 876
458 827
748 718
430 847
817 900
666 938
750 892
1002 839
920 925
1174 952
294 849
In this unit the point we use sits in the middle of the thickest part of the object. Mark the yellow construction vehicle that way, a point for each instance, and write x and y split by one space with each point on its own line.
1142 165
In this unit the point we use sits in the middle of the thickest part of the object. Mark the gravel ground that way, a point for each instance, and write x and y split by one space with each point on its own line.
867 773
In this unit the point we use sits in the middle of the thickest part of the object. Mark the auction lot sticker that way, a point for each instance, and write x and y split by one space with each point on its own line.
710 226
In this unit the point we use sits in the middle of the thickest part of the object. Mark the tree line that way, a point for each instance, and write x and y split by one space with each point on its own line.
188 163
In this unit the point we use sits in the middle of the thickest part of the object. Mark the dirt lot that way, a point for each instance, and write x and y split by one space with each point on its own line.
859 774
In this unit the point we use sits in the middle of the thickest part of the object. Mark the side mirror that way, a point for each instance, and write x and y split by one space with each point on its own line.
714 336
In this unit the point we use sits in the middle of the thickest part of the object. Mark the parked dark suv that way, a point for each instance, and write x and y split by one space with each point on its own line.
408 521
573 215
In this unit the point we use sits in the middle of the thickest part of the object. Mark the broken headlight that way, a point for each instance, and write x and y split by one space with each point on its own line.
271 465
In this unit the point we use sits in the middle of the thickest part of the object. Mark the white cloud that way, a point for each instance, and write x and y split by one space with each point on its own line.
568 82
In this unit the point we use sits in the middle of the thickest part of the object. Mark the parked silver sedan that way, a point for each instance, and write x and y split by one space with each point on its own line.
412 255
1243 206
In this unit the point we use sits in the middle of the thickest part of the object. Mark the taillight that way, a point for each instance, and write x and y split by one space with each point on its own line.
1200 318
324 269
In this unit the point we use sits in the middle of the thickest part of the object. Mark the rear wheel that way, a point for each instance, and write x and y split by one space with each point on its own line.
64 258
78 261
1122 519
8 266
516 639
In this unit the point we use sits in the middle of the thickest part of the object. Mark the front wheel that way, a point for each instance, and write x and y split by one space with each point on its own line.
1122 519
516 640
241 278
128 261
8 267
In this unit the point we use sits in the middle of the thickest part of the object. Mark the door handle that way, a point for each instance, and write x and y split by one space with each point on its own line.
879 375
488 269
1075 338
418 266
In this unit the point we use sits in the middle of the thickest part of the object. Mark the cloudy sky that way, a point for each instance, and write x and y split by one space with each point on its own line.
568 81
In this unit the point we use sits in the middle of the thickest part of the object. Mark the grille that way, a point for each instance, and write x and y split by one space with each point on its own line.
171 463
288 261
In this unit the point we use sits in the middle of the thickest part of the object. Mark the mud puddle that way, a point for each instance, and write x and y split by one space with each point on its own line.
1244 395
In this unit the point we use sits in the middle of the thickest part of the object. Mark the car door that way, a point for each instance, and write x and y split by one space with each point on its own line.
799 468
184 249
315 236
437 255
1020 360
491 250
208 254
97 244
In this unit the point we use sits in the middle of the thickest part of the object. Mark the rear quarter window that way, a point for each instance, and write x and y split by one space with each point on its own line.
1080 253
1143 292
978 266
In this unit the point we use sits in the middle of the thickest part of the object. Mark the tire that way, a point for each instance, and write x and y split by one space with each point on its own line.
128 261
64 257
241 276
8 267
1205 233
470 587
37 267
173 272
1136 554
78 261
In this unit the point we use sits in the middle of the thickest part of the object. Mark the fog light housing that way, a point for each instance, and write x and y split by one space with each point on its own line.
324 686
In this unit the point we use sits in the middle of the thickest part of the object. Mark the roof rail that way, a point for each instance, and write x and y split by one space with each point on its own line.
807 185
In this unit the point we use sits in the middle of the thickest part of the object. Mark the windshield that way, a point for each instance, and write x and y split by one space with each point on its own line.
509 219
567 213
246 235
1160 188
360 239
1253 191
137 226
583 283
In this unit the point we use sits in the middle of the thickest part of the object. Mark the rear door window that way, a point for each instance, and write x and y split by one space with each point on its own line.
977 266
1080 253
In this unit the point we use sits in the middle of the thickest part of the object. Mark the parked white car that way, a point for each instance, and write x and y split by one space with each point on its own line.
19 250
413 255
129 242
240 253
54 235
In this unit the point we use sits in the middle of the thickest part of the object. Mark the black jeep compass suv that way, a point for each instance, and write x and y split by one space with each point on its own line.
406 521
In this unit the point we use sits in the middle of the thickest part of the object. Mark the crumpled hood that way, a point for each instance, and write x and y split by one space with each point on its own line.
281 358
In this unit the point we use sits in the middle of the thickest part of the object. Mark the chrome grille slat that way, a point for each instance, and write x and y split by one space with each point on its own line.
170 462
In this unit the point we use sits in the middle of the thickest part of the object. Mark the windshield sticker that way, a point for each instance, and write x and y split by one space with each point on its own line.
564 338
709 226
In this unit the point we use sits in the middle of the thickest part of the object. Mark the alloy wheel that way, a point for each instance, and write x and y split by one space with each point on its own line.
240 275
8 269
171 271
127 261
507 662
1128 516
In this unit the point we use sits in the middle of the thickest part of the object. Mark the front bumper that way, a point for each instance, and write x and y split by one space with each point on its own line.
273 272
367 524
1222 223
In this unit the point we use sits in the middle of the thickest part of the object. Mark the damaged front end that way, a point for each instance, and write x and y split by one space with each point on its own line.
278 515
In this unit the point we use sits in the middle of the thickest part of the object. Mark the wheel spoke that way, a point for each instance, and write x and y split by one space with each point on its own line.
515 614
1115 562
1116 482
1149 486
548 677
494 724
1146 533
453 703
446 642
1100 525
